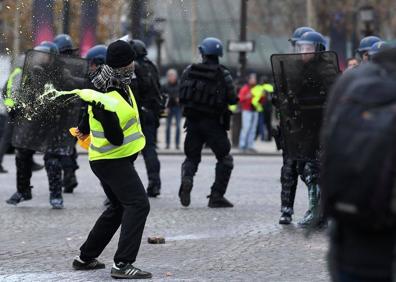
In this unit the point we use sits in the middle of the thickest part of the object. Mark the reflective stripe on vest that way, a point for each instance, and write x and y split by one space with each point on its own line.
128 139
100 134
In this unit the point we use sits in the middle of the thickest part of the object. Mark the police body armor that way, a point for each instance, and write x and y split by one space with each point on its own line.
203 89
303 82
42 124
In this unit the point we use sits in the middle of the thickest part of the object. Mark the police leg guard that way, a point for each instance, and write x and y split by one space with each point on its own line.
69 166
286 216
288 179
53 167
23 162
188 171
69 180
223 174
312 216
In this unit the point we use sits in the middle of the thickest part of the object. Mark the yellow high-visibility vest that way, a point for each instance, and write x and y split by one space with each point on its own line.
134 140
258 92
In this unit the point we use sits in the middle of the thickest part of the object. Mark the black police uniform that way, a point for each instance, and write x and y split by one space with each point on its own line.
23 161
146 88
206 90
357 253
308 170
61 161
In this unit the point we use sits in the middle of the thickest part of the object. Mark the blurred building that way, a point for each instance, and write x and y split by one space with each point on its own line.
179 25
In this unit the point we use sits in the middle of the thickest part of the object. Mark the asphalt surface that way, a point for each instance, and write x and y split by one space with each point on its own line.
244 243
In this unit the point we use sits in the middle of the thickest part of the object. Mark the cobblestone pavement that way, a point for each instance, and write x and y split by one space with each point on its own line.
240 244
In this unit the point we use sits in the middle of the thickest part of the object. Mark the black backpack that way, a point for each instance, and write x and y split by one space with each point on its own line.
359 158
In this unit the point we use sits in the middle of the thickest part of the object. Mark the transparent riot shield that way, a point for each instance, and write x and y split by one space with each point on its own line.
42 123
303 82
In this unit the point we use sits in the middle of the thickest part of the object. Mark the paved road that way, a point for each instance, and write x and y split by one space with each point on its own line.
240 244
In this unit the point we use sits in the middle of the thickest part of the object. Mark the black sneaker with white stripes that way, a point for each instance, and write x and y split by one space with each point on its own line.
79 264
128 271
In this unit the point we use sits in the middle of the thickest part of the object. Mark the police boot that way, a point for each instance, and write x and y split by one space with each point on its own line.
217 200
188 171
311 217
185 191
153 189
69 180
56 200
286 216
223 174
24 172
18 197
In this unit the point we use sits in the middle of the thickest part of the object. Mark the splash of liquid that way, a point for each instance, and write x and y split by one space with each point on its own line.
51 93
88 95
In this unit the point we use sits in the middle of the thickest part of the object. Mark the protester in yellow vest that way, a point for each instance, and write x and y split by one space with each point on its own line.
116 140
258 96
259 93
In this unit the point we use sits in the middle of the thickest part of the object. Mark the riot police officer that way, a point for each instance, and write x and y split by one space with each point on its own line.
10 93
312 76
289 175
147 88
365 45
206 90
68 162
24 155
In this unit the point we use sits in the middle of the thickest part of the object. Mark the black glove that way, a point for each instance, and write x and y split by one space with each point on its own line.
97 105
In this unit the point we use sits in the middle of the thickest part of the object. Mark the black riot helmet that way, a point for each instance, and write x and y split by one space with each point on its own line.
139 47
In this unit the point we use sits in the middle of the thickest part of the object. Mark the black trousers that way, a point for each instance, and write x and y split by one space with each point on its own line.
268 120
129 208
149 126
210 132
23 162
291 169
70 162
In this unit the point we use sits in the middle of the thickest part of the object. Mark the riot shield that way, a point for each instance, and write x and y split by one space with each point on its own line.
303 82
42 123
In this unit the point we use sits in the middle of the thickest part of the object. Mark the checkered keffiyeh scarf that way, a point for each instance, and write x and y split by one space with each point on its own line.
104 78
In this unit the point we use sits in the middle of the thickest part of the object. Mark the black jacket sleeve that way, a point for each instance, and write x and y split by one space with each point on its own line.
83 125
111 126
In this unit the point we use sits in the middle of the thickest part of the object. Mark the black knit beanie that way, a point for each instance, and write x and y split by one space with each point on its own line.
119 54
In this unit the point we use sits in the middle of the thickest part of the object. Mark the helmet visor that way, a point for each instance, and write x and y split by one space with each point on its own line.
305 47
